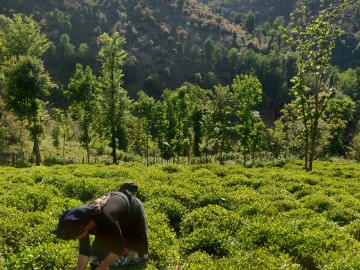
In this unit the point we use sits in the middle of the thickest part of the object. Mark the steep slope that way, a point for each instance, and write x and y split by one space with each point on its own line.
264 10
164 37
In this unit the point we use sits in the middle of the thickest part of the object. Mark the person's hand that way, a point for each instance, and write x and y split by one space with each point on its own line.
109 260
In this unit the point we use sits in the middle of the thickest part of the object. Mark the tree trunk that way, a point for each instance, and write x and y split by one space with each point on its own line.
36 149
113 145
147 150
244 155
64 141
306 152
313 143
88 154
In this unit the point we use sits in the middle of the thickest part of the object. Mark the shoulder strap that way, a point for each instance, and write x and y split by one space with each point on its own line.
99 203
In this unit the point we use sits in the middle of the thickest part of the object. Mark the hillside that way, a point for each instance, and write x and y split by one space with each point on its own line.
264 10
163 37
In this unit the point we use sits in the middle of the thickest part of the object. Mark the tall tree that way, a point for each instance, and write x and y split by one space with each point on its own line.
199 109
233 58
63 127
247 94
182 139
113 97
82 92
314 40
349 84
25 81
339 113
168 124
209 53
144 109
249 23
223 120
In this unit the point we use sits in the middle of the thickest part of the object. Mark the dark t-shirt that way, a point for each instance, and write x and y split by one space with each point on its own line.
121 224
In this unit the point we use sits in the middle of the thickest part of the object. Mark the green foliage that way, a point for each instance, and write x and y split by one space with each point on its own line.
25 80
210 240
21 36
163 248
355 147
172 208
68 49
249 23
218 217
247 94
211 216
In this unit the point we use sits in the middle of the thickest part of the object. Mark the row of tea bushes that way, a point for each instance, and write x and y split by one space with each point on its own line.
202 216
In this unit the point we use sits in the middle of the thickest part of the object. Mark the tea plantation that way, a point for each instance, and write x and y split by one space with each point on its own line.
202 216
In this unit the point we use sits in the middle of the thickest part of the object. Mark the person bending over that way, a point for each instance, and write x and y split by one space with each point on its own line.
117 219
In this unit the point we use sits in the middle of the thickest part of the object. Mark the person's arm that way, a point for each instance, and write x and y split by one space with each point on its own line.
84 253
109 260
82 262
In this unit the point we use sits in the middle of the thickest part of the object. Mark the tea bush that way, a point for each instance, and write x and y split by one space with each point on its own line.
172 208
211 240
202 216
164 250
211 216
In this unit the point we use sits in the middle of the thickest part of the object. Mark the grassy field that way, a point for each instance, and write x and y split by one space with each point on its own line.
202 216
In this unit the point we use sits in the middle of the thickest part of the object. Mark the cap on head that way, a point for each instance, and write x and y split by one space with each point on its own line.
73 222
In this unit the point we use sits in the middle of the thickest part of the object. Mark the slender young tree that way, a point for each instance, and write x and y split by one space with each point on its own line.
25 80
314 41
82 93
167 125
247 94
223 120
182 139
144 110
63 127
113 99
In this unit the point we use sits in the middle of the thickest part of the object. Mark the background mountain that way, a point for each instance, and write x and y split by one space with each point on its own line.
163 38
174 41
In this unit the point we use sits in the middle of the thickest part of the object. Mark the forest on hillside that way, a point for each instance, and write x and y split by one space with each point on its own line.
223 81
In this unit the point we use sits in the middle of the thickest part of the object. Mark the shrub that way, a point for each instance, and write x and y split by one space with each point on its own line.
340 260
341 216
211 216
45 256
354 229
318 202
162 241
172 208
209 240
28 198
84 190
